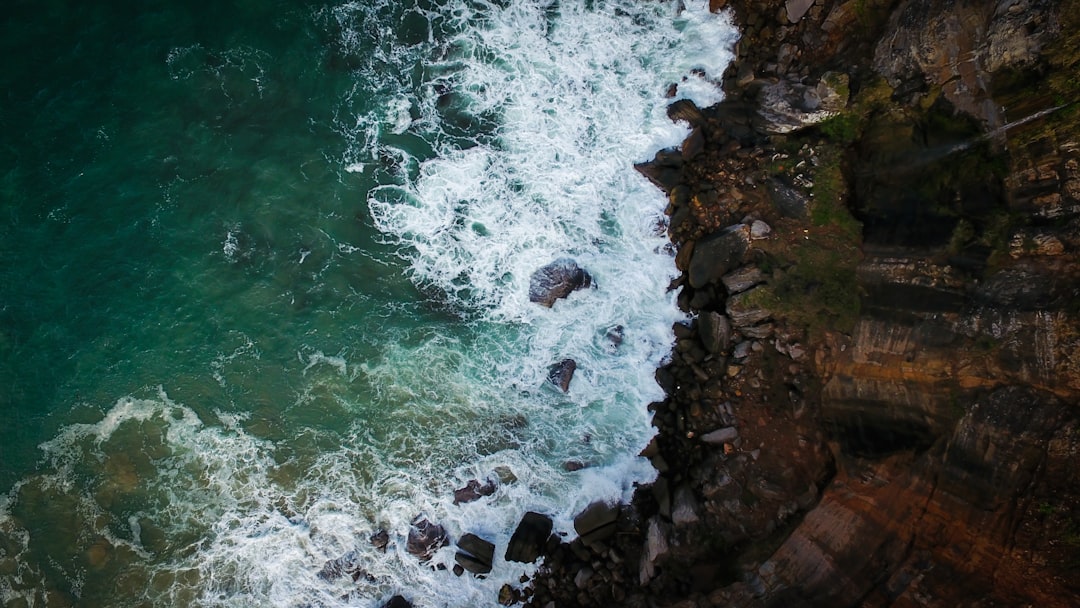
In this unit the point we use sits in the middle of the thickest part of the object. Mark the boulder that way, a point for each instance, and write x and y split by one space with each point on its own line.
425 538
715 255
529 539
738 281
684 510
747 308
562 373
721 436
557 280
759 230
596 522
475 554
473 491
715 332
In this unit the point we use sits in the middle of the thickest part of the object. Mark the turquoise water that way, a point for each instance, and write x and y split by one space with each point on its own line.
265 281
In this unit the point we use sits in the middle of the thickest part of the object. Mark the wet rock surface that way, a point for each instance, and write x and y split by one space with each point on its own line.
557 280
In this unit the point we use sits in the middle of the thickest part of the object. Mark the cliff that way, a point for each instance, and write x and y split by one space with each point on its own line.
877 404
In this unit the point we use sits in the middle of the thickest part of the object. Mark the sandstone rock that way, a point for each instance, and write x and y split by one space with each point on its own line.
715 332
557 280
529 539
473 490
738 281
562 373
717 254
721 436
596 522
425 538
475 554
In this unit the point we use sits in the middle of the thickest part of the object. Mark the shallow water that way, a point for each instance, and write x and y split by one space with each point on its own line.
266 286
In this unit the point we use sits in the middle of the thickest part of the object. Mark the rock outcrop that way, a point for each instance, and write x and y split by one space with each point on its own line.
911 446
557 280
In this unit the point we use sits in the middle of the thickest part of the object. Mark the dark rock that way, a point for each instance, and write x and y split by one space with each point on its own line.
425 538
397 602
473 491
789 201
715 255
557 280
475 554
596 522
694 144
687 111
573 465
529 539
665 170
615 336
715 332
562 373
380 539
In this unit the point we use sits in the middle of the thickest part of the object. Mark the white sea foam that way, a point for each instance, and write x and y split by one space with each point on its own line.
513 147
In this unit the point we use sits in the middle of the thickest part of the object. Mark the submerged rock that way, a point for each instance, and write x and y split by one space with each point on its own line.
557 280
348 564
473 491
380 539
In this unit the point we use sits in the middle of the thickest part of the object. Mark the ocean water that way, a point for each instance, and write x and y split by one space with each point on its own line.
264 285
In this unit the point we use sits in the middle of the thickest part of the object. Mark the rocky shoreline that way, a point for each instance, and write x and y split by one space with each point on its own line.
876 403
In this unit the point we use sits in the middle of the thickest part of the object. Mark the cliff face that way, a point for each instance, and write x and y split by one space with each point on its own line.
952 406
878 403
